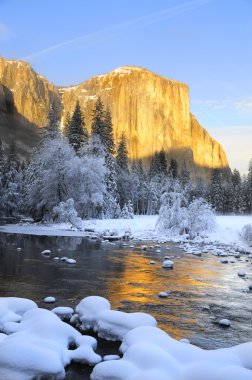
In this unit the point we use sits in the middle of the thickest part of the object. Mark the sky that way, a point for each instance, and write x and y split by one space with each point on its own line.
206 44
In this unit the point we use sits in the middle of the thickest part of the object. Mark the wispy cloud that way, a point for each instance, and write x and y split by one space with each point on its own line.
137 23
213 103
4 32
241 106
244 105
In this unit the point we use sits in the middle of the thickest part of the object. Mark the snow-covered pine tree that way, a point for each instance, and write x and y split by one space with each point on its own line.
249 186
124 179
127 211
216 191
111 199
77 133
11 183
238 201
2 178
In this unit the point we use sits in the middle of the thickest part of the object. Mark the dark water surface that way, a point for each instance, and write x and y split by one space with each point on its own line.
202 289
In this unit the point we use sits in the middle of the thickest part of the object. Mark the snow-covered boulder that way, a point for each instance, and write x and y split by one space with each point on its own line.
241 273
168 264
149 353
63 312
71 261
163 294
12 309
225 322
89 310
94 313
49 299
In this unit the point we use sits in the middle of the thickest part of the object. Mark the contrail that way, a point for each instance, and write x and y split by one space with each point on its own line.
138 23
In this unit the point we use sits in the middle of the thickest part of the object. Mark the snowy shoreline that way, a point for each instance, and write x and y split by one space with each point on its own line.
36 342
226 233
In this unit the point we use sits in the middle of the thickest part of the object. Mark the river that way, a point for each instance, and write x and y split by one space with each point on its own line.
203 290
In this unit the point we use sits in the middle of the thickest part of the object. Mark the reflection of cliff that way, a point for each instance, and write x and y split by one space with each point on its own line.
153 111
136 288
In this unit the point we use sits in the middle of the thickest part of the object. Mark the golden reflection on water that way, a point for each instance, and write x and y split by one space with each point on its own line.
139 282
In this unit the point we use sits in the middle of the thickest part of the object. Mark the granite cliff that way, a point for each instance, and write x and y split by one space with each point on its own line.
153 111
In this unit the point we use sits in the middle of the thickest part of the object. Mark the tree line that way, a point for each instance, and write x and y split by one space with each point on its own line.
95 174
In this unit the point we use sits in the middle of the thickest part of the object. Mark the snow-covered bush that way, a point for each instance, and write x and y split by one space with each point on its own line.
47 178
173 216
246 234
86 185
127 211
176 218
65 213
201 217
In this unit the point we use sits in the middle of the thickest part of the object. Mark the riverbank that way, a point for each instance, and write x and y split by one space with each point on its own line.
227 231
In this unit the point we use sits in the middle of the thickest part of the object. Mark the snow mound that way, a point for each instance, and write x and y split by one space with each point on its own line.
149 353
95 313
12 309
38 346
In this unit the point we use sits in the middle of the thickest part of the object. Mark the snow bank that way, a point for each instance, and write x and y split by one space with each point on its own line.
94 312
38 345
35 342
150 353
227 231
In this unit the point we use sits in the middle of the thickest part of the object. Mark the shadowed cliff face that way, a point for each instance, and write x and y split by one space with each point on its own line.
15 127
32 93
153 112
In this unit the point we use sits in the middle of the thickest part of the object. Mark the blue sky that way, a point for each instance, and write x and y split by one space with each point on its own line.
204 43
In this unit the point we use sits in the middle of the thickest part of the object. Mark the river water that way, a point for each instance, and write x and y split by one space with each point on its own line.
203 290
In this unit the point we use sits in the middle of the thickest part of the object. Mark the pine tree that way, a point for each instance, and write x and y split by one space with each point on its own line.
154 165
173 169
97 126
78 133
158 164
184 176
52 129
139 191
162 162
108 140
122 155
67 122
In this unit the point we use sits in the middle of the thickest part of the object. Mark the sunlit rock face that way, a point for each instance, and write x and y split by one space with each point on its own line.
32 93
152 111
